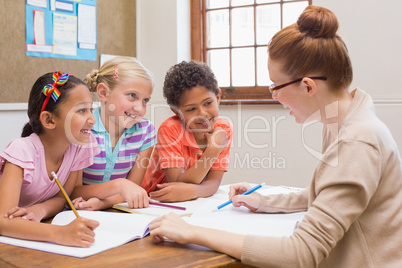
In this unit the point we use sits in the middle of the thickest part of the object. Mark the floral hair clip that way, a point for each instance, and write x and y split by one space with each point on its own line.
115 73
50 90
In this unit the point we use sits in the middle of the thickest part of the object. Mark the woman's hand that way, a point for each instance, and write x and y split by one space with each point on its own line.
251 201
171 226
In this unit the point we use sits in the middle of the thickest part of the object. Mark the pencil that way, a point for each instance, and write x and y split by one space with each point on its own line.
245 193
65 194
166 205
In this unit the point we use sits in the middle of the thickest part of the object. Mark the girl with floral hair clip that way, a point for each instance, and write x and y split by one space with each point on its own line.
56 139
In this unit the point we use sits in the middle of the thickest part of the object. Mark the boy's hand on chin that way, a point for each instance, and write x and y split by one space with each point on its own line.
217 139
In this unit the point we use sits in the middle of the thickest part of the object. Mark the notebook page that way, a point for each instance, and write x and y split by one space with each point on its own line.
241 220
115 229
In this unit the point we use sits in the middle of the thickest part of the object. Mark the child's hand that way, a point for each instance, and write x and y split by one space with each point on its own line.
173 192
172 227
25 213
78 233
251 201
93 203
135 196
217 139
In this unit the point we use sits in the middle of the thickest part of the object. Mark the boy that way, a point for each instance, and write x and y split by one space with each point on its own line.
192 150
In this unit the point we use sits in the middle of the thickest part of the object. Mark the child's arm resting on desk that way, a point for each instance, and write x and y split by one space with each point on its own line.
181 191
133 194
217 142
47 208
138 196
77 233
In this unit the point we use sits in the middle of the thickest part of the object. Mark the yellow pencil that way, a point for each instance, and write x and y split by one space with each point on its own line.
65 194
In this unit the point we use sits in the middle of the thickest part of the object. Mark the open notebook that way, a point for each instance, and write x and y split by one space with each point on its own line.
115 229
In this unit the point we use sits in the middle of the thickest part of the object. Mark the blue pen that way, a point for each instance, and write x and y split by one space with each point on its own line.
245 193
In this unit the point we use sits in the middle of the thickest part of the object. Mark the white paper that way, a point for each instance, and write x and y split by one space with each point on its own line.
64 34
87 46
38 3
86 24
115 229
53 5
39 48
39 27
64 6
242 221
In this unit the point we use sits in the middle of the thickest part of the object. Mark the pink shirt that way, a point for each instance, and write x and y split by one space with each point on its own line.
28 153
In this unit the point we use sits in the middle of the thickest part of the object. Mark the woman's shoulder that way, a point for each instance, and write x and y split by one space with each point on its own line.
361 124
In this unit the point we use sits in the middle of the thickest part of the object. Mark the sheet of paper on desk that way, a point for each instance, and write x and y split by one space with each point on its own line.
191 206
115 229
241 220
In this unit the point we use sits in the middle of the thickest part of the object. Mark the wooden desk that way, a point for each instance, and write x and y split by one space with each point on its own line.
139 253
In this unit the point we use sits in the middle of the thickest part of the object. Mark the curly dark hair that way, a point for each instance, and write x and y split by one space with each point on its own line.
185 76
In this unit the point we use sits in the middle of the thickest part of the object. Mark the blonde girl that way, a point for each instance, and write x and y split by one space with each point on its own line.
126 139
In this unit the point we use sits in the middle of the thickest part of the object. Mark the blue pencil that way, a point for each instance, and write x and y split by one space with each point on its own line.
245 193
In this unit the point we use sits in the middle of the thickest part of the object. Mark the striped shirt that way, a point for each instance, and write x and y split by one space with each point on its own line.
109 165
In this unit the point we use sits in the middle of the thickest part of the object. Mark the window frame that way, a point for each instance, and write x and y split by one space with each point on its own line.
230 95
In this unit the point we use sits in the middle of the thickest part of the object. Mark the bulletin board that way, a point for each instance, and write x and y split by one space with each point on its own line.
116 35
61 29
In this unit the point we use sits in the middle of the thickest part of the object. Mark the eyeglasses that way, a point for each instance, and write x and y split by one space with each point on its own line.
272 88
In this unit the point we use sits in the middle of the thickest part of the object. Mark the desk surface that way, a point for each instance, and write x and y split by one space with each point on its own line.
139 253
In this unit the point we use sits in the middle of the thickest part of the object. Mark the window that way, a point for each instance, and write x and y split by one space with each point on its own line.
231 36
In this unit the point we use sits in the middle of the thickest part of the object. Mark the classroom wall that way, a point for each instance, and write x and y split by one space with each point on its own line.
267 146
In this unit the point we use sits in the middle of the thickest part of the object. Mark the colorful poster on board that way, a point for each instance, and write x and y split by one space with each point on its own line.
61 29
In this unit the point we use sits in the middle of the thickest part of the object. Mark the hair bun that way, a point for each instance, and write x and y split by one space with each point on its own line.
318 22
91 80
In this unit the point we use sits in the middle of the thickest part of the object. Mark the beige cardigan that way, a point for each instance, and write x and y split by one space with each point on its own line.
354 203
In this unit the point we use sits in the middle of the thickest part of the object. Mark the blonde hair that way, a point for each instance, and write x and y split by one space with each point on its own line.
312 46
115 71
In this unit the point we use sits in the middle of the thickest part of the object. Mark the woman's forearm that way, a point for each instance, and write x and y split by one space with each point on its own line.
222 241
